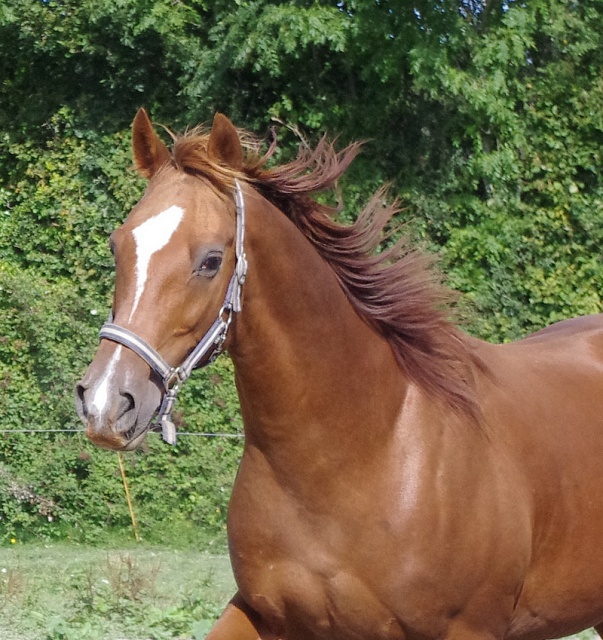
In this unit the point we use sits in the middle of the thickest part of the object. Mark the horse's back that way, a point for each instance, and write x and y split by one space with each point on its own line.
553 374
548 387
560 354
544 405
574 328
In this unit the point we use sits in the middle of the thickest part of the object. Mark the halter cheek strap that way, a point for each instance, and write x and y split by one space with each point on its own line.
209 347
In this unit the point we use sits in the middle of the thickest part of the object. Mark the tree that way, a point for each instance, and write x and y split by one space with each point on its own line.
100 58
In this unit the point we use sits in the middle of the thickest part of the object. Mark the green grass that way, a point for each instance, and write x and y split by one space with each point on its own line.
138 592
58 592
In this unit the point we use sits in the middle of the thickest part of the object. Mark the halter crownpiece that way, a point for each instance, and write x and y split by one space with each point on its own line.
209 347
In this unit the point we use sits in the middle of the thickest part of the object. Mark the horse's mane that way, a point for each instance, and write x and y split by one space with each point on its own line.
396 290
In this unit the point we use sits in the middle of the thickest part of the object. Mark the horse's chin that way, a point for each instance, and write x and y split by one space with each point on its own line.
118 441
135 441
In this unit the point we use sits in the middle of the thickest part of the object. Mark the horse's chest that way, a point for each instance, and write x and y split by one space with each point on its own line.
297 574
301 602
334 565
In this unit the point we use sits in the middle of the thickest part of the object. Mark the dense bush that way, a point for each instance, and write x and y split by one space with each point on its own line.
485 117
55 287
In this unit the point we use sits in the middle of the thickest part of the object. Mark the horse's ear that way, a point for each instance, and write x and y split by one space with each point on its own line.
224 145
150 153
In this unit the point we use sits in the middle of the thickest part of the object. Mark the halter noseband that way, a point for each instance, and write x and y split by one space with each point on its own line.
210 346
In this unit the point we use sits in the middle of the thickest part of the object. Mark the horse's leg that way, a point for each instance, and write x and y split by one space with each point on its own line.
237 622
599 630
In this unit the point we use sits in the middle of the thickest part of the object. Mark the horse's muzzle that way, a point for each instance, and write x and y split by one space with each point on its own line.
116 405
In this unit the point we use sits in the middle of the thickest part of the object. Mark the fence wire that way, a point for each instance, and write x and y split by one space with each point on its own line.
180 433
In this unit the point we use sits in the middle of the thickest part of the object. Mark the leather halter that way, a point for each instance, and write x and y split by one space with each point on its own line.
209 347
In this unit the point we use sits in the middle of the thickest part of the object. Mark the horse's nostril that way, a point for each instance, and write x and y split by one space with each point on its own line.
80 401
126 403
126 422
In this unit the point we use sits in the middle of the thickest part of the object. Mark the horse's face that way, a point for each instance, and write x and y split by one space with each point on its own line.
174 257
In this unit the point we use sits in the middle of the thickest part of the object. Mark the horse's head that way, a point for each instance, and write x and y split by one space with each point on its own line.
177 256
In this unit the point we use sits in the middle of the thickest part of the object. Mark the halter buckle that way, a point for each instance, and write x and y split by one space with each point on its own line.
173 380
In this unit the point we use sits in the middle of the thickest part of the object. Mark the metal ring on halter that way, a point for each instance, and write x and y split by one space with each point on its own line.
210 346
173 382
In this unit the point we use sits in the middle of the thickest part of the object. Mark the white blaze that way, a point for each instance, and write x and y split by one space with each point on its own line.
149 237
153 234
101 393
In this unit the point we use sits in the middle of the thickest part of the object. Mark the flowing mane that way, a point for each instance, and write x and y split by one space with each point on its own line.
396 290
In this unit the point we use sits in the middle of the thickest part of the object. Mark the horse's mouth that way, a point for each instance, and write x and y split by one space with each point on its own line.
109 439
134 441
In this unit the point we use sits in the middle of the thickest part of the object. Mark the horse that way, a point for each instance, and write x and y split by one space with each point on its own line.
400 479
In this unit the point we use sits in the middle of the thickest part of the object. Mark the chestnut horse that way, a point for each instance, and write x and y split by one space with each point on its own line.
399 479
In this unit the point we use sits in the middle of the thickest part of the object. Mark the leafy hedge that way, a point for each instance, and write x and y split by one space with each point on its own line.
55 285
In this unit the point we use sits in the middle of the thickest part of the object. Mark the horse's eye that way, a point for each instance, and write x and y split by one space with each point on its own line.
209 265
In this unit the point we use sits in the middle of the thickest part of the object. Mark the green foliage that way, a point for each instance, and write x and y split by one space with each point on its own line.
65 198
510 206
55 286
101 58
250 68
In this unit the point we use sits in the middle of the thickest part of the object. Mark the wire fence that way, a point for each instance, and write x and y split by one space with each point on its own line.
202 434
129 501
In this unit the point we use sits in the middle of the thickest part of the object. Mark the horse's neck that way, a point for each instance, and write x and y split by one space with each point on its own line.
311 374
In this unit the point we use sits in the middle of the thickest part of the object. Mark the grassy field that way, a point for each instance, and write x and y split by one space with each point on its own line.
61 592
57 592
